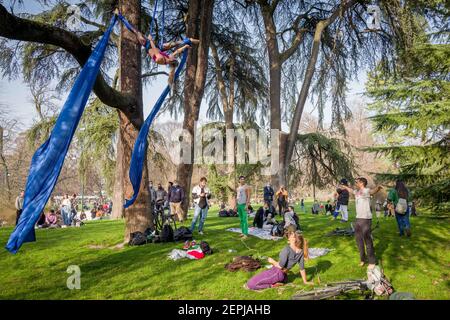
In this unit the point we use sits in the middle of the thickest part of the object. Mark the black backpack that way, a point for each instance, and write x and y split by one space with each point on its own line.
297 221
278 230
223 213
166 233
137 239
205 247
182 234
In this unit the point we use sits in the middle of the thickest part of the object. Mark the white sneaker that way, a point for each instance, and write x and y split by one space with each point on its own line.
200 232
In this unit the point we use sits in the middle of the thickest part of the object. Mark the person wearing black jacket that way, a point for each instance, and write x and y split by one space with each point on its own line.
342 201
261 215
268 194
176 198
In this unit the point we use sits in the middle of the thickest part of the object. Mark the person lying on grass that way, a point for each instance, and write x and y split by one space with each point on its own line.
160 56
295 252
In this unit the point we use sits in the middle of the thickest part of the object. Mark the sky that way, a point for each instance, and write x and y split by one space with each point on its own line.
15 94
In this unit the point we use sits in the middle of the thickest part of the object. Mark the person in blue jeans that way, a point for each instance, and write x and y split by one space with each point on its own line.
200 195
398 198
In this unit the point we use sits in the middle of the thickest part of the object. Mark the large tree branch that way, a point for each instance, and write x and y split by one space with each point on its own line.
16 28
310 70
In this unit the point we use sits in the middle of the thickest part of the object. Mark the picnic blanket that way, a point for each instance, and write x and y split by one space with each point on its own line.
260 233
318 252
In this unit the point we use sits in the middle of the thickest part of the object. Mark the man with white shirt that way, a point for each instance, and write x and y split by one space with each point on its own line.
200 195
363 224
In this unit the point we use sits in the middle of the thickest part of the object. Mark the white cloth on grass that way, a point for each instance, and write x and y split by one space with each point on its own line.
318 252
177 254
260 233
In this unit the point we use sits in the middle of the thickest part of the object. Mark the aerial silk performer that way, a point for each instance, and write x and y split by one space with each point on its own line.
48 160
160 56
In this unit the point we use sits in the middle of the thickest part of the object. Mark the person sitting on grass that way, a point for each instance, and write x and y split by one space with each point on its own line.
51 220
328 208
261 215
295 252
290 218
316 207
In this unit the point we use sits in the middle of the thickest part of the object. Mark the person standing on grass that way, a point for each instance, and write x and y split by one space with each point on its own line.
152 193
282 199
66 209
398 203
243 201
342 201
295 252
200 194
176 198
19 205
363 224
268 194
302 205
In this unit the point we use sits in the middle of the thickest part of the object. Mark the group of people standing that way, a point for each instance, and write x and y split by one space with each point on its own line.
173 198
281 197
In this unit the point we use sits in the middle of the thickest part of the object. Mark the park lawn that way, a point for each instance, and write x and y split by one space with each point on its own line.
419 265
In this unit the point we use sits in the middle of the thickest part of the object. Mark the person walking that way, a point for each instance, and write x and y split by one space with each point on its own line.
282 196
268 194
19 205
363 224
398 198
342 201
176 198
200 194
243 201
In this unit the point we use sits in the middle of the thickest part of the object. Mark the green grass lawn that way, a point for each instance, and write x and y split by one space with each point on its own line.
419 265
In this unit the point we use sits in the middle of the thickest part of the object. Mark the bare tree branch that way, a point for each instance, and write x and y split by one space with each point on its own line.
16 28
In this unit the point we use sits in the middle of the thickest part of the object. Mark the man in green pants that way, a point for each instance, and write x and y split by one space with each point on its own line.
243 201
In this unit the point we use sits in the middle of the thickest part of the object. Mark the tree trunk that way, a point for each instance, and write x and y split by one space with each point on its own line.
138 216
199 21
118 211
275 65
5 166
291 140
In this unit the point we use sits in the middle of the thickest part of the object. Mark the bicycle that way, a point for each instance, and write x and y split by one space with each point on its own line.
333 290
160 217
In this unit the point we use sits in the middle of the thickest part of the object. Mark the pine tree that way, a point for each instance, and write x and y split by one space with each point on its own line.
412 114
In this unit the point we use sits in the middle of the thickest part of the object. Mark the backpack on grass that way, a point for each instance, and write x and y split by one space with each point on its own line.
206 249
401 206
378 283
182 234
137 239
166 233
278 230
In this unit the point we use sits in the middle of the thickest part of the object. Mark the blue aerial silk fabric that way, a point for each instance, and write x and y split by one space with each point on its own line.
140 146
48 160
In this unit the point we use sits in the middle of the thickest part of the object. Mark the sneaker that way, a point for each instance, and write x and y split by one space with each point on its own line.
408 232
343 221
200 232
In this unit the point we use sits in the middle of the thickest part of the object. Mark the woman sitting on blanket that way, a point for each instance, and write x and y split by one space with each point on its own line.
295 252
161 57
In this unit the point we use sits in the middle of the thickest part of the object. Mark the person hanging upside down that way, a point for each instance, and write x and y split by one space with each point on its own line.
160 56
